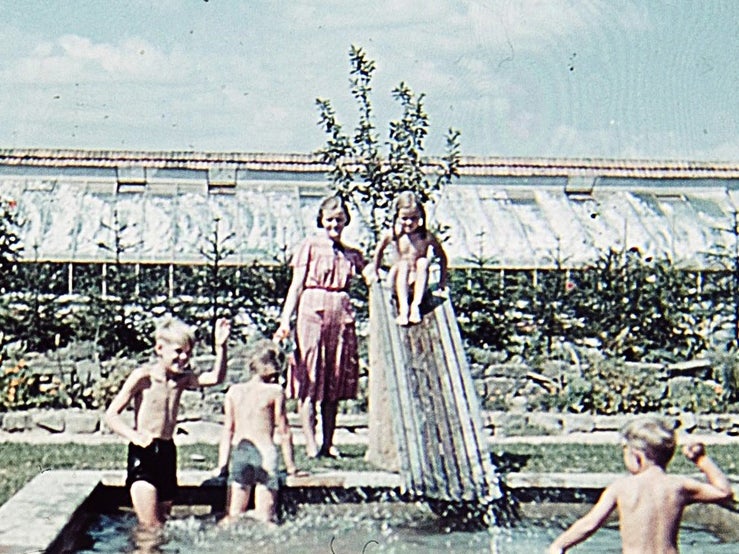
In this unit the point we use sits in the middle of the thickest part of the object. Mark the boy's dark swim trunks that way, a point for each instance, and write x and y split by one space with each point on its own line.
155 464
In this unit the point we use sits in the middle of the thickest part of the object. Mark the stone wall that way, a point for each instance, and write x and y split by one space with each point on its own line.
205 426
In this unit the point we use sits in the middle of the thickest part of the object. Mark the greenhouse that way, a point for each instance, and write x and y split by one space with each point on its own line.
163 207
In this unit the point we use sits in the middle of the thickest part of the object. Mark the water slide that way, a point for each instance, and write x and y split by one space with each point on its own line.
436 418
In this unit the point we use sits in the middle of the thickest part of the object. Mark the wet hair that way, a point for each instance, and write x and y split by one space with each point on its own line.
653 436
266 358
408 199
174 331
329 204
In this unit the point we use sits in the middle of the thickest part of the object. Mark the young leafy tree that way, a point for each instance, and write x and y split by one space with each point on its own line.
116 325
215 250
365 174
10 242
10 246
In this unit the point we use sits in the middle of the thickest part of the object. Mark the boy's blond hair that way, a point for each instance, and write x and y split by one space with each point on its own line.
174 331
265 358
653 436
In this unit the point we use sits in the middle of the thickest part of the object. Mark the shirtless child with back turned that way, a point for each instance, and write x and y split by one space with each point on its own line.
650 502
253 411
155 390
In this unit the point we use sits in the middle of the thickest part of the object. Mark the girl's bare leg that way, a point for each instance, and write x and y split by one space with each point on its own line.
328 426
307 410
401 289
419 288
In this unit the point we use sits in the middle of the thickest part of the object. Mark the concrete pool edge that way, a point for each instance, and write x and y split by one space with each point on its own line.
47 514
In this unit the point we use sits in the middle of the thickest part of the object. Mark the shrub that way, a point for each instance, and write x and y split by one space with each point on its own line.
606 386
21 388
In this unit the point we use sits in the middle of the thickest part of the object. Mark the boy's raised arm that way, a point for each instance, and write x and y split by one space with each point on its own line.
218 373
718 488
587 524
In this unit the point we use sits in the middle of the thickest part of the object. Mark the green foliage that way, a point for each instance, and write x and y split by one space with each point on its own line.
595 458
631 308
694 395
725 365
639 309
21 388
215 250
100 393
517 315
608 387
10 224
370 177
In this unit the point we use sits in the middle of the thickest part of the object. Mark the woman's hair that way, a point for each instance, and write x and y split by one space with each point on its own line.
266 358
408 199
174 331
653 436
329 204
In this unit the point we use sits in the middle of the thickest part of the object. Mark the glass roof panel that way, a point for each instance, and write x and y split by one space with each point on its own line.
507 221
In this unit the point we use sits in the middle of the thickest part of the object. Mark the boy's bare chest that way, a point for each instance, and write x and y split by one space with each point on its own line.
161 394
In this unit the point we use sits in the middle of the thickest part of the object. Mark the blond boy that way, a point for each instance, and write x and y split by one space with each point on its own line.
253 411
650 502
155 390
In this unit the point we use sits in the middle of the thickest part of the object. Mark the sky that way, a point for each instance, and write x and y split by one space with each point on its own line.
642 79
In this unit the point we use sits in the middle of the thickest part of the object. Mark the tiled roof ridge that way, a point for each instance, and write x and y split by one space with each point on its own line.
468 165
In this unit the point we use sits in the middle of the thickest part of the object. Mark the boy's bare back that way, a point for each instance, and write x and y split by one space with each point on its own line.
256 404
650 506
650 502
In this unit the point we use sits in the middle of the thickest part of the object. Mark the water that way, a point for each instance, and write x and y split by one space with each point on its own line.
387 527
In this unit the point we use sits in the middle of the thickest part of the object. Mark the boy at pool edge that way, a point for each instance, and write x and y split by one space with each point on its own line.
650 502
155 390
254 416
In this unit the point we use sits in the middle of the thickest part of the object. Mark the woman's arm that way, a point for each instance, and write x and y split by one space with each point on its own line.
291 301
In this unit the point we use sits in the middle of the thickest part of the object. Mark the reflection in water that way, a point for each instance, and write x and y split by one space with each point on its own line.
375 527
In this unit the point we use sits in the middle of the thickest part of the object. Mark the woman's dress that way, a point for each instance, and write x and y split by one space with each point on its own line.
325 363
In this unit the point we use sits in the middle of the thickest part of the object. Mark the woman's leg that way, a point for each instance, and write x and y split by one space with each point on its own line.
329 410
307 410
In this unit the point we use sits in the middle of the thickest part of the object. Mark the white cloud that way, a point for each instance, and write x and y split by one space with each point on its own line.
73 58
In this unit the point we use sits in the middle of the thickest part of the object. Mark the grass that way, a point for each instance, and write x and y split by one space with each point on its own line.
20 462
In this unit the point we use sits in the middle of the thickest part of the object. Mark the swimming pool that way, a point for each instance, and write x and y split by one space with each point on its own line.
86 511
387 527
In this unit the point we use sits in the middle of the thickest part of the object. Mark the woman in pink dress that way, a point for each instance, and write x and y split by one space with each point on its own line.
326 364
